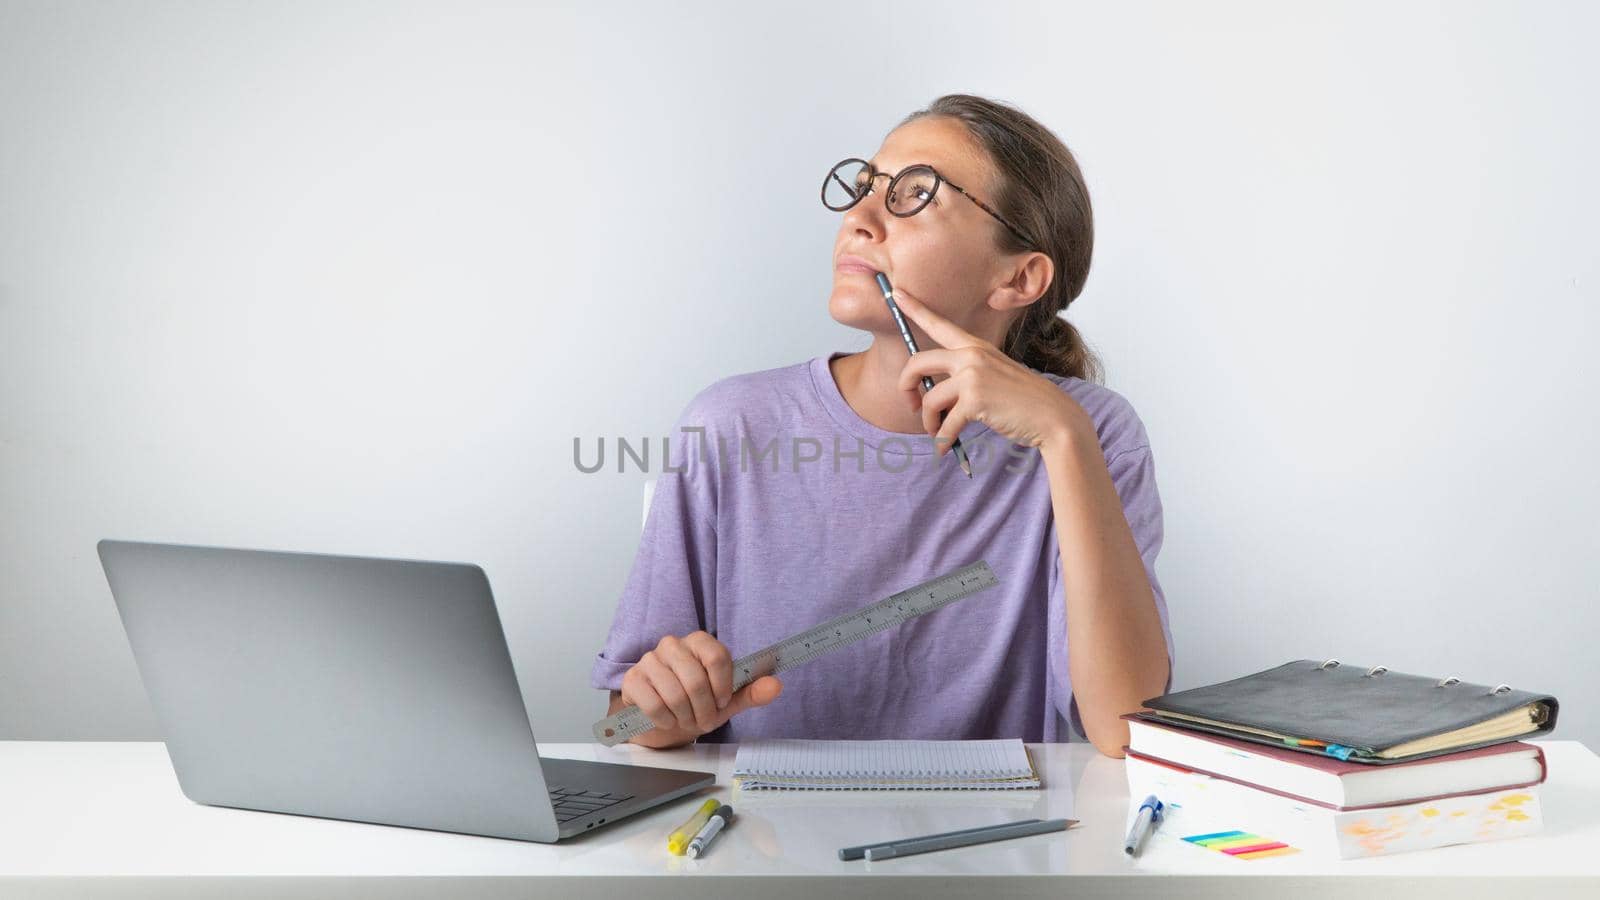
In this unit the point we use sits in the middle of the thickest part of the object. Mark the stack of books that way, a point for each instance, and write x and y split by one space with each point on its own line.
1346 761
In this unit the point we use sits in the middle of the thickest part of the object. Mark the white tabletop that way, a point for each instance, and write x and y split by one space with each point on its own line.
71 813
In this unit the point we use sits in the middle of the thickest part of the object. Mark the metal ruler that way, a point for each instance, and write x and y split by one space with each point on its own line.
825 638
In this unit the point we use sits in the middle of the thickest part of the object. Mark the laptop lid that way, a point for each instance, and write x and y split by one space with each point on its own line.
375 690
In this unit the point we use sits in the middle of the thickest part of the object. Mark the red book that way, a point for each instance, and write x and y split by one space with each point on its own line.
1330 782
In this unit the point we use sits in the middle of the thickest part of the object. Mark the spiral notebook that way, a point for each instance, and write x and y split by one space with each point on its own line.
791 764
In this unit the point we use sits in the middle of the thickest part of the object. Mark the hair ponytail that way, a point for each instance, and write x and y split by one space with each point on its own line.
1050 343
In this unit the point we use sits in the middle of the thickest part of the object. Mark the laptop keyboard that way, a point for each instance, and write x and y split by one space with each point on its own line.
571 802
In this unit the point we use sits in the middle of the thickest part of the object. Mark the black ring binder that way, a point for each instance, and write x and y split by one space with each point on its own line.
1350 712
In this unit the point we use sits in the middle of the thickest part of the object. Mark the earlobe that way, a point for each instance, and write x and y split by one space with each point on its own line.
1007 297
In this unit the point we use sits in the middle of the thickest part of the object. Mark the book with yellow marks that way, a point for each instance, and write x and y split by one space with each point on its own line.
1197 803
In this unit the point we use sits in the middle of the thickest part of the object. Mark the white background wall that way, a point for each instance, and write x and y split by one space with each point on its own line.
351 277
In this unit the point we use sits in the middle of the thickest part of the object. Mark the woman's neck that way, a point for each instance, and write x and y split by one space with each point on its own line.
869 382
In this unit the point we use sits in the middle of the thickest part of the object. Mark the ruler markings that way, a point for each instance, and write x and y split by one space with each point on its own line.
822 639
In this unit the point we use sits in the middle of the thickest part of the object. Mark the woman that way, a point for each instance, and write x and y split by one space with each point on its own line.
814 489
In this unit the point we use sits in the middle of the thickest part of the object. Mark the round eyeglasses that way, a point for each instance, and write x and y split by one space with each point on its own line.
909 193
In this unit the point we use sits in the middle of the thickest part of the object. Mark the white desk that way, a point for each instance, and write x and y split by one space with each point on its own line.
107 819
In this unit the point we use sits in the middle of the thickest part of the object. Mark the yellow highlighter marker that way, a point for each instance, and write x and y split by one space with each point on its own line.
678 841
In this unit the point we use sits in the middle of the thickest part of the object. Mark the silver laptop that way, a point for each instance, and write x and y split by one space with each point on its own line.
375 690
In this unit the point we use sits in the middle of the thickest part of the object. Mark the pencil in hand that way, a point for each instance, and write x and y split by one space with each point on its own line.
911 346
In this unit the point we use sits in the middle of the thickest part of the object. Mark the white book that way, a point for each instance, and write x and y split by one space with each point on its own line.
1200 804
1334 782
884 765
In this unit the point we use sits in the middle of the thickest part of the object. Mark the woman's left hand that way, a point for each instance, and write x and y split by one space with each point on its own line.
984 385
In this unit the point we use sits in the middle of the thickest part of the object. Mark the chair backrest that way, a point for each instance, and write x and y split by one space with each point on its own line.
649 492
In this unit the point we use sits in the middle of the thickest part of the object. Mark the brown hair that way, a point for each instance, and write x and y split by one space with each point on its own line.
1041 191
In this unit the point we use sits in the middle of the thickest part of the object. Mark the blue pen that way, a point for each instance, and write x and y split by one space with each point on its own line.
911 347
1149 815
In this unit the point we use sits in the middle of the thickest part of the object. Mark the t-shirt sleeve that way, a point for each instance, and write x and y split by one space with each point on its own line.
1133 473
671 586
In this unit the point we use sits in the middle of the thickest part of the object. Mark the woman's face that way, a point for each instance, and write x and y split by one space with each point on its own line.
944 255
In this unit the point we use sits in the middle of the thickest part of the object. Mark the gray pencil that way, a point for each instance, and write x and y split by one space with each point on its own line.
861 851
957 839
911 348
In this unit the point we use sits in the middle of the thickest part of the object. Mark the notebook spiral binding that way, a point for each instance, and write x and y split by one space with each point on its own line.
1443 682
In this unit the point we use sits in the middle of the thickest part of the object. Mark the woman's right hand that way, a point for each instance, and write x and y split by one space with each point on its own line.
685 686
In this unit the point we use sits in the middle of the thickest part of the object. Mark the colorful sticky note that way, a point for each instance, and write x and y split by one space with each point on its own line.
1197 838
1241 844
1277 851
1255 846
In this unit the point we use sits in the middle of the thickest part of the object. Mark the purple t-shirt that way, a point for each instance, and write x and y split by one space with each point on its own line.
791 509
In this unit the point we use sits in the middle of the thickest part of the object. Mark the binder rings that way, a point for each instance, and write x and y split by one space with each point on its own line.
1372 716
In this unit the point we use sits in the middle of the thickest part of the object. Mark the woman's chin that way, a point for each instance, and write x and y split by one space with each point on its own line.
855 308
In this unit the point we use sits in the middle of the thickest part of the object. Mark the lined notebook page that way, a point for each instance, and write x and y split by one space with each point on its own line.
789 763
